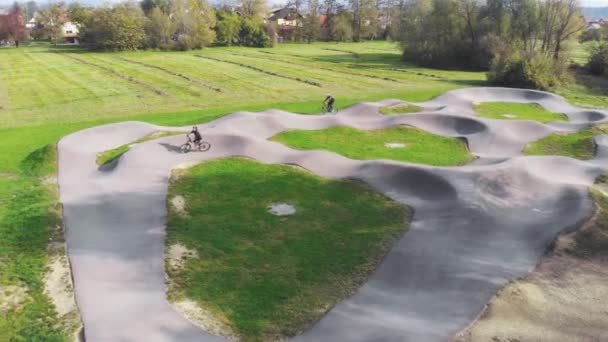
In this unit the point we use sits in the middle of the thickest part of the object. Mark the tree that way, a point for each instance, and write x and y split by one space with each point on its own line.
227 28
30 9
148 5
12 25
52 19
159 29
330 9
194 21
253 8
342 26
365 18
252 34
598 60
311 24
120 27
79 15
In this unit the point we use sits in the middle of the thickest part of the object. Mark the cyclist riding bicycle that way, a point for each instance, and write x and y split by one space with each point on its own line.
329 103
197 135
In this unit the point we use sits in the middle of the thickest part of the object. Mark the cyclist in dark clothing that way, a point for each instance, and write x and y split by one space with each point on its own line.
197 135
329 102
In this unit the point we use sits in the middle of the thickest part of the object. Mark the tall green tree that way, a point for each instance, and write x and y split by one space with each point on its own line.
365 18
254 9
159 29
311 25
227 28
194 20
342 26
120 27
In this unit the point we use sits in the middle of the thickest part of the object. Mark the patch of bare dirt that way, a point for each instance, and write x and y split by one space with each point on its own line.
49 180
12 297
58 285
178 254
178 204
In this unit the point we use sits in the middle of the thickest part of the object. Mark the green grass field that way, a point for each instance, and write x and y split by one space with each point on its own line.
43 85
517 111
418 146
577 145
272 276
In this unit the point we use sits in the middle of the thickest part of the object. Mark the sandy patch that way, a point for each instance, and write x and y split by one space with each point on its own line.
58 285
50 180
281 209
11 297
202 318
394 145
178 203
510 116
178 254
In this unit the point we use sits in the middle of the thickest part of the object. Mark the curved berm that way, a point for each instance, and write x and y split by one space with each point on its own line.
475 227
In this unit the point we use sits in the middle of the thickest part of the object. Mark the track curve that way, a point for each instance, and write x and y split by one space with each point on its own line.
475 227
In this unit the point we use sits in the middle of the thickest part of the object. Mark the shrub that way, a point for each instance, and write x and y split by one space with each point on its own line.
116 28
537 71
598 61
253 34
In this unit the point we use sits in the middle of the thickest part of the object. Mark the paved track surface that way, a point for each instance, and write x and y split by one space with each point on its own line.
474 228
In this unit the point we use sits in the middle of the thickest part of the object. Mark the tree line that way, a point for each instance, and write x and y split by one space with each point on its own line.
523 43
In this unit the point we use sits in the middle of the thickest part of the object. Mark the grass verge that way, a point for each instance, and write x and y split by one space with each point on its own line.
273 276
579 145
109 156
400 109
517 111
29 221
592 240
403 143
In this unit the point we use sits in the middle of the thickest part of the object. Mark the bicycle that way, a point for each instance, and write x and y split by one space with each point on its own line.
202 146
327 109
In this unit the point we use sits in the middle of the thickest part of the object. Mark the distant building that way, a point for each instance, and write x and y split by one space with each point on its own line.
70 31
32 22
286 20
593 25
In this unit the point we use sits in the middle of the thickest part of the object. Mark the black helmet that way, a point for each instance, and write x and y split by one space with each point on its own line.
194 128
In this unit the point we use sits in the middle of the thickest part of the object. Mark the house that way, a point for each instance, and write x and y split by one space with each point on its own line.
69 31
31 24
596 24
287 20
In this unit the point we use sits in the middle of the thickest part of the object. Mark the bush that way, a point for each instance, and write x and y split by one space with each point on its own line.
538 71
116 28
598 61
253 34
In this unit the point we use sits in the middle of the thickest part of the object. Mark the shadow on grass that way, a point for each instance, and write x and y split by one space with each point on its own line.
595 85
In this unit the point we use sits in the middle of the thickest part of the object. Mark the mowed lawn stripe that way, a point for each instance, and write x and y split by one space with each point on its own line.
242 65
328 76
78 87
238 82
173 86
383 73
82 83
116 73
172 73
